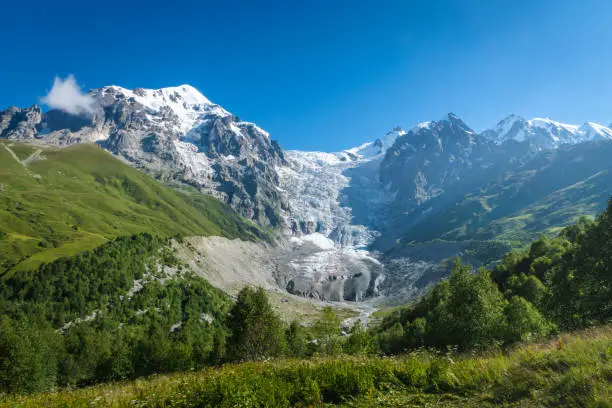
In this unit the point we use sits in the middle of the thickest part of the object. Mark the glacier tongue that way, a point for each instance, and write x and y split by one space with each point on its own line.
326 196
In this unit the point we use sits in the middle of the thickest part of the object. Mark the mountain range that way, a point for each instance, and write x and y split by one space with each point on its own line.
379 218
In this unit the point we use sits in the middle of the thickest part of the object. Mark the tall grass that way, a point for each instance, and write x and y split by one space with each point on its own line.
573 370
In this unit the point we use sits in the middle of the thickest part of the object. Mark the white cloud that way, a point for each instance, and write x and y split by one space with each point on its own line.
66 95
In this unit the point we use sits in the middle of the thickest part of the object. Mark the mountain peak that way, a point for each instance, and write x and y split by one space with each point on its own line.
373 149
510 118
454 121
189 93
172 94
450 116
185 101
391 137
548 122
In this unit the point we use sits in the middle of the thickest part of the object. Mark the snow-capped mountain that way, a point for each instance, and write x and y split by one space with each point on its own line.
172 133
595 131
187 103
545 133
178 134
332 208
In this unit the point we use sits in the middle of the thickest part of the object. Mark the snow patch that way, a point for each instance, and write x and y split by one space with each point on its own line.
319 240
186 102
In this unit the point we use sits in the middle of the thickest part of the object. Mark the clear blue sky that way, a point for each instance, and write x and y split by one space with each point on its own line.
326 74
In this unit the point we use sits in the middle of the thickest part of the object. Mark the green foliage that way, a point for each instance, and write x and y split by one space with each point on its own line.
28 360
297 341
467 311
564 282
568 278
529 287
576 374
415 333
126 309
256 331
524 321
582 284
391 341
70 288
472 314
359 341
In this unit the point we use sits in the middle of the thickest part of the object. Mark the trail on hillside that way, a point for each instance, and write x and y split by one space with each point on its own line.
8 149
30 159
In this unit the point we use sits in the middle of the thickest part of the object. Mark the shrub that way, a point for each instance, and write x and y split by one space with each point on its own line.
524 321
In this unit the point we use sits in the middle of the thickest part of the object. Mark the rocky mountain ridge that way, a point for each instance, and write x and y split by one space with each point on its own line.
334 209
175 134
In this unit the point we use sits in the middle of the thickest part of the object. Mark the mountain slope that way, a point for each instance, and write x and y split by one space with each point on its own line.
546 193
433 156
57 202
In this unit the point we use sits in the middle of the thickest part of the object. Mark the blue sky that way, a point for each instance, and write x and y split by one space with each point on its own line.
326 75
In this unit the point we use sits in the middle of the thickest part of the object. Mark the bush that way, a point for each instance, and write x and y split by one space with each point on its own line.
359 341
28 357
297 344
524 321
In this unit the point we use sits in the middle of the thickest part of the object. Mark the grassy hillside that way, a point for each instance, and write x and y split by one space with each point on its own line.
572 370
58 202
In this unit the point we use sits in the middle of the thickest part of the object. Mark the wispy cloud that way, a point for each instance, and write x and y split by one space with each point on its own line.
66 95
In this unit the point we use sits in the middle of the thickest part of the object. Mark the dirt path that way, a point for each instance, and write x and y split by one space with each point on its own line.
32 158
12 153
